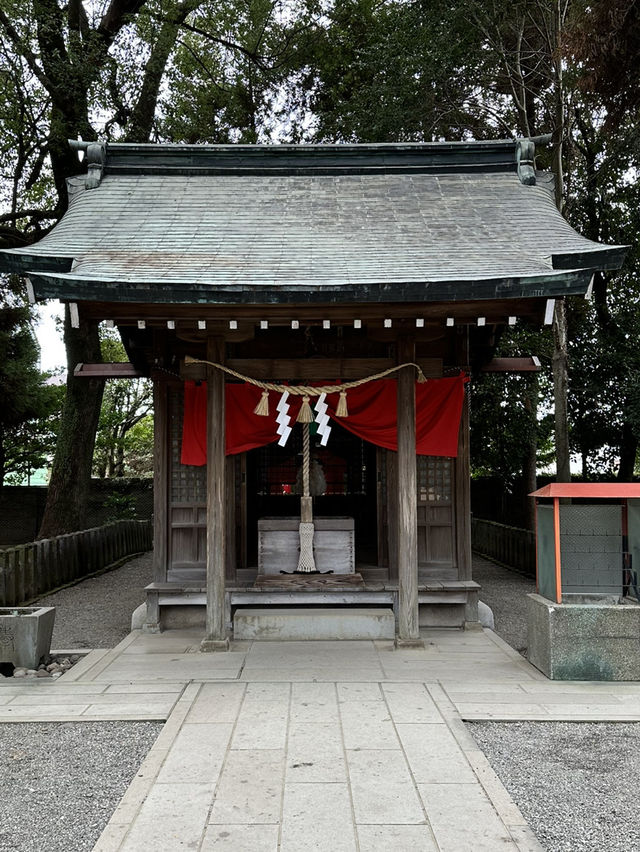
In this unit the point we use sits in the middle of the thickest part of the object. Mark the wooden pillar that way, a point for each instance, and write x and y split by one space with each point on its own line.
407 514
152 622
462 504
160 481
216 631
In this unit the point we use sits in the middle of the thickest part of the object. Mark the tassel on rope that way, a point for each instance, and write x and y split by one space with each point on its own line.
341 410
262 408
305 415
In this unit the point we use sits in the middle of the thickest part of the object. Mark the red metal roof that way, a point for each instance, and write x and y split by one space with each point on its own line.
600 490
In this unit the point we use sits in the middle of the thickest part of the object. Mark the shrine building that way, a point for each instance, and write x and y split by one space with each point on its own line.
310 316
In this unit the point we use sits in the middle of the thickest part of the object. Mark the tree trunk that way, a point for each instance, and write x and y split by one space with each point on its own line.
530 461
560 362
560 387
2 457
65 509
628 453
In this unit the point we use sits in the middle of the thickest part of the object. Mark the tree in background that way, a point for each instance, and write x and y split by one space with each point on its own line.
347 70
27 399
124 441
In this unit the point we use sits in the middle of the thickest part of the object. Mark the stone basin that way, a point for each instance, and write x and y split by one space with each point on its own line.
586 637
25 634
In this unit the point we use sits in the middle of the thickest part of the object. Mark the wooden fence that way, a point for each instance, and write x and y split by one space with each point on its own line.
30 570
511 546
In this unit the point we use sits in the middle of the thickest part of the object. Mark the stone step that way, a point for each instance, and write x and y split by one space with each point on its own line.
303 623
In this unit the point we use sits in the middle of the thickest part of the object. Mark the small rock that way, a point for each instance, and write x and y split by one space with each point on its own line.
66 663
19 672
74 659
43 673
56 674
54 667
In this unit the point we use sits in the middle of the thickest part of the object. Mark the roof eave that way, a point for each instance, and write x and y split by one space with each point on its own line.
71 288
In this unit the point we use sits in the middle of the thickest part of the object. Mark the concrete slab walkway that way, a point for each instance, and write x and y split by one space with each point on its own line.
314 745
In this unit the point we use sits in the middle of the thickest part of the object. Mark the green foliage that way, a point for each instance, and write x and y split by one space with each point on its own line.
120 507
393 71
124 441
29 404
344 70
510 413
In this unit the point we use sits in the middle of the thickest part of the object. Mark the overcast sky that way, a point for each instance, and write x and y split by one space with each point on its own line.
52 354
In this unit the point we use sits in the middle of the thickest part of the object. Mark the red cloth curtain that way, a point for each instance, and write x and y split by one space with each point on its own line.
372 416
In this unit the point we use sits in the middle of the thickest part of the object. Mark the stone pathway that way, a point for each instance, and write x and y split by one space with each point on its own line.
315 745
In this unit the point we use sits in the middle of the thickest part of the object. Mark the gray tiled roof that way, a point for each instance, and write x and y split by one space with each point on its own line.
381 237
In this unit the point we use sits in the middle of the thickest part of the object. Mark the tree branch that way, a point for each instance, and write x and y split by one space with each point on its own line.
29 56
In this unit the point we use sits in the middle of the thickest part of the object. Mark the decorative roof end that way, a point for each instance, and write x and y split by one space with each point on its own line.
525 154
96 154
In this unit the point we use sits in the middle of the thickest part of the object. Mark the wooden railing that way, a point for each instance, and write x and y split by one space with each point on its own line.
30 570
511 546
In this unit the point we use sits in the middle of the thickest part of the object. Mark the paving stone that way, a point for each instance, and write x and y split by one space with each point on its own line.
315 753
358 692
433 755
250 788
241 838
173 817
368 725
217 702
476 826
382 788
403 838
317 817
197 754
410 703
313 703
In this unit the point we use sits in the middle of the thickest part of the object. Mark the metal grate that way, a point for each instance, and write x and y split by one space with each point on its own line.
434 479
188 483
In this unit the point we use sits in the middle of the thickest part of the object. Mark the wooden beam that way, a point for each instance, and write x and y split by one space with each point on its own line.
320 369
528 364
120 370
495 311
407 518
216 631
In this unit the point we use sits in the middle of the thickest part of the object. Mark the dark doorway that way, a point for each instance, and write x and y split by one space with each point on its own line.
347 481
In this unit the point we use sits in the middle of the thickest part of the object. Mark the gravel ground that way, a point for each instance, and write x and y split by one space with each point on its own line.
61 782
97 612
575 783
506 593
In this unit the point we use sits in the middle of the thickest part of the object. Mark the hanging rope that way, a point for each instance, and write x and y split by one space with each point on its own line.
306 530
306 391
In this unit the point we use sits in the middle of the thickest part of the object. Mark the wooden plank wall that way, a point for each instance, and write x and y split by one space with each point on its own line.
511 546
30 570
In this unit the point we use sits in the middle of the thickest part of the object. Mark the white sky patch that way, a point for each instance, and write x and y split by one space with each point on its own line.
52 351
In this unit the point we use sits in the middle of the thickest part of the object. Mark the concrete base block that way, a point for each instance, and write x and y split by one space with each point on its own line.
177 617
442 615
25 634
304 623
209 646
409 643
584 641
